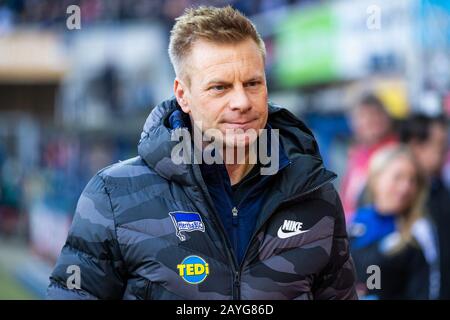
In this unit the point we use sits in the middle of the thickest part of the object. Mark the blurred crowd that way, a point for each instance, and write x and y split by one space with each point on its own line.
48 13
396 202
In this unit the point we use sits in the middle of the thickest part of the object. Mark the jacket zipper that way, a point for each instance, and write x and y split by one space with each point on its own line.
237 285
230 253
236 208
235 222
231 256
148 289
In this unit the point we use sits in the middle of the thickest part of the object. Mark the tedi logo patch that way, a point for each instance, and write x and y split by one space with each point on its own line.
193 269
186 221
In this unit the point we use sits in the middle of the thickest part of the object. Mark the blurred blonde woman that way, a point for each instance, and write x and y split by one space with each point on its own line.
391 232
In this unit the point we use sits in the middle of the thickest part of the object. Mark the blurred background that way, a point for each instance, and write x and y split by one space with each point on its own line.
362 74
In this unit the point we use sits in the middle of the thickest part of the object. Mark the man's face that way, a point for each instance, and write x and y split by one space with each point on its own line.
227 88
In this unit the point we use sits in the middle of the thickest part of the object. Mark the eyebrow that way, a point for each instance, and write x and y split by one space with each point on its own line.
220 81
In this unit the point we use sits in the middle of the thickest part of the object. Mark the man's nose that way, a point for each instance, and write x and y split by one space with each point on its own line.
239 100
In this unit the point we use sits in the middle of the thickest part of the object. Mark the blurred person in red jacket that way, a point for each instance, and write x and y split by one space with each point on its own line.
428 140
373 129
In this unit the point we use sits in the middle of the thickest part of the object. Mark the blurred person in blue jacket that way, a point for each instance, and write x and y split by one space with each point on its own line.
391 232
428 140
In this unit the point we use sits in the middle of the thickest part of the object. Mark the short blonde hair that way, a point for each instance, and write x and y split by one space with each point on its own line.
378 162
218 25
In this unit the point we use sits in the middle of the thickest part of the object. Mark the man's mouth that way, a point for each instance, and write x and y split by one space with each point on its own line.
239 124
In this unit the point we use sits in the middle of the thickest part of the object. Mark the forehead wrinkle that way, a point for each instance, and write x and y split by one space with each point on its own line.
229 70
202 61
242 61
227 57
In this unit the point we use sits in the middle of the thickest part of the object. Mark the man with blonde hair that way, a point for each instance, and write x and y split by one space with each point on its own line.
227 199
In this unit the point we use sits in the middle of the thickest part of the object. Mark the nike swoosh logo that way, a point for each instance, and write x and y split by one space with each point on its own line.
284 235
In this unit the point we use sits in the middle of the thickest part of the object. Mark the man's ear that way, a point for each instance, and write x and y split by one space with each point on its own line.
179 90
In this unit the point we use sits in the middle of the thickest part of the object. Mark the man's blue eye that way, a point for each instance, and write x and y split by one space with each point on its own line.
252 84
218 88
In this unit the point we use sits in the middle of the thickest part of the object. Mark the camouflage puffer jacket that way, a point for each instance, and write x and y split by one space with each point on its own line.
146 228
